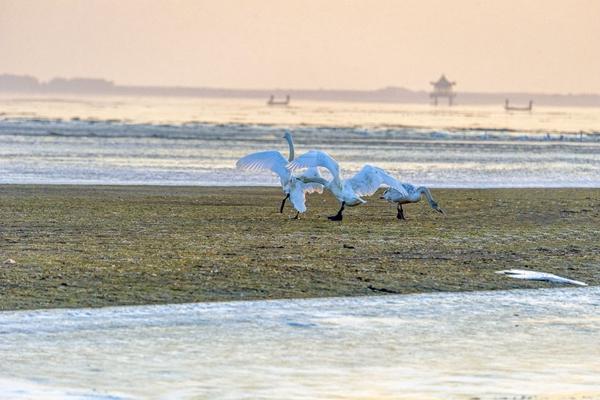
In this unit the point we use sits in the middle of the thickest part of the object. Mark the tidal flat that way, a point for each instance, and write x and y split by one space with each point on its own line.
93 246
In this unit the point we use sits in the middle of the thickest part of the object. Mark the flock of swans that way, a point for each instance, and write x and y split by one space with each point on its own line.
349 192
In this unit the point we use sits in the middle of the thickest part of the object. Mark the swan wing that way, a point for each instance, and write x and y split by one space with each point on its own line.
271 160
370 178
316 158
298 189
298 195
314 187
395 195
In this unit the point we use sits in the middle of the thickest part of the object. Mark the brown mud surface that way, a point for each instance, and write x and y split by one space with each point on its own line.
91 246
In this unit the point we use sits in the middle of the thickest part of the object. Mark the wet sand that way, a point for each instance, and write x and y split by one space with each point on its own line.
92 246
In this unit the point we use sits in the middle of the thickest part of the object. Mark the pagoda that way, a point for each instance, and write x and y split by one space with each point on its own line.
442 88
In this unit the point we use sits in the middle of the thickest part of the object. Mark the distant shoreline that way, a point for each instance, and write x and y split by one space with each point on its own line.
21 84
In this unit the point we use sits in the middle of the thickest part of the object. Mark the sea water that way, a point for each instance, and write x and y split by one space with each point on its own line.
489 345
520 344
182 141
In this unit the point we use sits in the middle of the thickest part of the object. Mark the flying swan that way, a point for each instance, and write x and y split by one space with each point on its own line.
411 194
348 192
293 188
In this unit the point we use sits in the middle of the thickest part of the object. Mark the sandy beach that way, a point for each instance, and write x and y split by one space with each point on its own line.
92 246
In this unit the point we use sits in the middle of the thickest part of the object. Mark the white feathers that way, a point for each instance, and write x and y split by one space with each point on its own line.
369 179
271 160
274 161
298 195
311 173
314 159
349 192
298 189
538 276
364 183
410 194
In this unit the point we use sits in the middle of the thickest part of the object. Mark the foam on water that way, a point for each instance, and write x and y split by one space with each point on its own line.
501 344
197 141
199 154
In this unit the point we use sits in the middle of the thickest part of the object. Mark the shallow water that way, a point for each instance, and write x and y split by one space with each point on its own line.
197 141
182 110
504 344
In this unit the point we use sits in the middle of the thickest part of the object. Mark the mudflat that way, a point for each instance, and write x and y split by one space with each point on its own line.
92 246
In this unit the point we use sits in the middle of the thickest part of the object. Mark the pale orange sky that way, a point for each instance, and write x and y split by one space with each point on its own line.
547 46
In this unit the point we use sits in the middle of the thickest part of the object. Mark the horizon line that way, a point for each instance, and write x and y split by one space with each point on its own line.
278 89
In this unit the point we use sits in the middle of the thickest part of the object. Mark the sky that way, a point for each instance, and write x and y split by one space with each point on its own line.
546 46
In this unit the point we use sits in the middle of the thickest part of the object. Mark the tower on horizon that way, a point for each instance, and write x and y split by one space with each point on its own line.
442 88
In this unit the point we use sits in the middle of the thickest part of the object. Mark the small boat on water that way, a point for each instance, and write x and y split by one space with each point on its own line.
508 107
273 102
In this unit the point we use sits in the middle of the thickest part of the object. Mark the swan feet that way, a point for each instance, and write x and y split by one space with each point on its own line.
287 196
297 215
338 216
400 214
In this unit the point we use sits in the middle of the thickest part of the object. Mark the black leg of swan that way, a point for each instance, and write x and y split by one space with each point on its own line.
400 212
287 196
338 216
297 215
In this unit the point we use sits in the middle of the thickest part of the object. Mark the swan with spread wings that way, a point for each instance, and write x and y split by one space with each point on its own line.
349 192
293 187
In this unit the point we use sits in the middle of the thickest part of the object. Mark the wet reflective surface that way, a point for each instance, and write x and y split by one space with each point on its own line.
197 141
504 344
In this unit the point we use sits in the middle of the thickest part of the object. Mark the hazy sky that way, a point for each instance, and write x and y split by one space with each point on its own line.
548 46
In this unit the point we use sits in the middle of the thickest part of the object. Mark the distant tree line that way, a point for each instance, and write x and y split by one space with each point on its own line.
27 84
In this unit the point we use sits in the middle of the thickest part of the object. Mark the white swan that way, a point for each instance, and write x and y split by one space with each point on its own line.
411 194
349 192
293 188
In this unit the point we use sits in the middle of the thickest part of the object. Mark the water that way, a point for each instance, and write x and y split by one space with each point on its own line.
490 345
167 141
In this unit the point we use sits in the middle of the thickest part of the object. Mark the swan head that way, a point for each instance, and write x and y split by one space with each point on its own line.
287 135
437 208
386 195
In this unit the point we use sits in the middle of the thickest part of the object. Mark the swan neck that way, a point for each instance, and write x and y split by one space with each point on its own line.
427 193
291 146
338 182
316 179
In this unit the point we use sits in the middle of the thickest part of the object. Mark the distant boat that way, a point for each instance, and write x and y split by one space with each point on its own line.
273 102
508 107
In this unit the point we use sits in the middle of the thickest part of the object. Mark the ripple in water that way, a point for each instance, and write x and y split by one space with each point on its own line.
502 344
197 141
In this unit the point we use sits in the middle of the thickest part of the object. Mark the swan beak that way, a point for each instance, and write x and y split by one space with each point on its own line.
440 211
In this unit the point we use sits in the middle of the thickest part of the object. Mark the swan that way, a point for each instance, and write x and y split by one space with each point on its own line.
293 188
413 195
348 192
